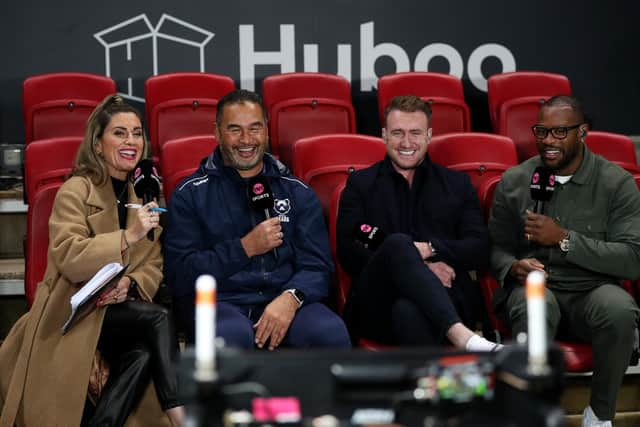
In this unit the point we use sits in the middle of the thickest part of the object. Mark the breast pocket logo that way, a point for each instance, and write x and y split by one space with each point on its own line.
282 207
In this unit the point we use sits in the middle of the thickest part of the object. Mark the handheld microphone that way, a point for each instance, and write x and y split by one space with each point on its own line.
542 184
146 184
261 197
370 236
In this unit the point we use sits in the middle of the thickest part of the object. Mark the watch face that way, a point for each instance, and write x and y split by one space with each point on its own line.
299 294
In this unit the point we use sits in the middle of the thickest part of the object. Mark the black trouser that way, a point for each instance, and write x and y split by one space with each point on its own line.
137 341
397 299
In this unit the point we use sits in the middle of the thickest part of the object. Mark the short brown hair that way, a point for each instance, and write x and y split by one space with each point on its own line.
407 104
88 163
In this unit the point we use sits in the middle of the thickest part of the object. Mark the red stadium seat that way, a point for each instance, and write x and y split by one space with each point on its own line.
58 104
306 104
48 160
485 195
182 104
37 239
181 157
443 91
480 155
614 147
325 161
342 278
514 102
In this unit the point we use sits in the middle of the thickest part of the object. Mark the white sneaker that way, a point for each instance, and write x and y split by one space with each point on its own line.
477 344
589 419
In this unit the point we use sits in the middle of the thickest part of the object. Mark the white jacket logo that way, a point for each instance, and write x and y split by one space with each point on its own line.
282 206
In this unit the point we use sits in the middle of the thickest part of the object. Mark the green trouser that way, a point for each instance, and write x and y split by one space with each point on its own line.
605 316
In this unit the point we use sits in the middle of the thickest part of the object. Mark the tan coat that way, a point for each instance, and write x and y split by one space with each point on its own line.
44 375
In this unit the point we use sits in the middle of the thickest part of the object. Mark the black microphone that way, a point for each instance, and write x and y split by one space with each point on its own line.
146 184
542 184
261 198
370 236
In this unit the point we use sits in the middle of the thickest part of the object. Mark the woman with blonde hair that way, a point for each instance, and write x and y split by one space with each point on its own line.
47 377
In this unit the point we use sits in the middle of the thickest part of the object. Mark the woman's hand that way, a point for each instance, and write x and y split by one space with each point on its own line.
145 221
119 293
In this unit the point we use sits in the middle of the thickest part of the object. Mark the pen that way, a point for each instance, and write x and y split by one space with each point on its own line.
138 206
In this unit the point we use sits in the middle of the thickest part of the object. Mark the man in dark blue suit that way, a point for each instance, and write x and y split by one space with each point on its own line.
412 287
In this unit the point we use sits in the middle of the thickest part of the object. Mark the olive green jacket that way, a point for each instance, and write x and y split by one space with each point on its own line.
600 206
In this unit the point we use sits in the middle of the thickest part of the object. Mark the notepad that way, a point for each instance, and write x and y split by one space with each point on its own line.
84 300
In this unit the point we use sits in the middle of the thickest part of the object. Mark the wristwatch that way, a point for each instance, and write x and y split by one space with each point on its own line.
433 251
564 243
297 294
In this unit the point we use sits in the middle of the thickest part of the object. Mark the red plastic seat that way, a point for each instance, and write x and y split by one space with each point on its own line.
480 155
181 157
443 91
486 193
37 239
514 102
614 147
306 104
182 104
48 160
325 161
58 104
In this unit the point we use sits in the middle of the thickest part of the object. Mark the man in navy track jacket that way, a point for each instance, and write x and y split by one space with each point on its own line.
272 270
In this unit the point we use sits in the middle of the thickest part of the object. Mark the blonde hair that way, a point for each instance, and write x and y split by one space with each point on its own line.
88 161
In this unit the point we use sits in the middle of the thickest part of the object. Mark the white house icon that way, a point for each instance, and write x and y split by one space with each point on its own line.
133 46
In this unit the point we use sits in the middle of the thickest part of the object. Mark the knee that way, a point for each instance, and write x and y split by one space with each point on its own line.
623 317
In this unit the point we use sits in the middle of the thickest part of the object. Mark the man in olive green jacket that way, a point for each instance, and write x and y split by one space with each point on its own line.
586 240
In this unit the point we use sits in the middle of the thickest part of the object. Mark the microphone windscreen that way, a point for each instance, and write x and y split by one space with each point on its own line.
370 236
259 193
146 181
542 184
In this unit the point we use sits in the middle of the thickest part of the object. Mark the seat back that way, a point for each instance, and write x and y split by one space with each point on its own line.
517 84
614 147
480 155
181 157
485 195
58 104
37 238
325 161
48 160
342 279
306 104
182 104
443 91
517 116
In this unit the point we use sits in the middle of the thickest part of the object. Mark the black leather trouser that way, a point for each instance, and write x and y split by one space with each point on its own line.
137 341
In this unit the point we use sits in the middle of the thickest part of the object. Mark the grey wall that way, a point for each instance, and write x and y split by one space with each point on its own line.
594 43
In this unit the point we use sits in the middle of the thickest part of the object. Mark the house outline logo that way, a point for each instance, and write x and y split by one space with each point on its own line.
153 33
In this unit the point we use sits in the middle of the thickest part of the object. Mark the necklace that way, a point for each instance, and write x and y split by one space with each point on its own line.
124 188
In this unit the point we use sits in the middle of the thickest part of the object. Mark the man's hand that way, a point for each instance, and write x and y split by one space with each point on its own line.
443 271
275 320
522 267
543 230
424 249
264 237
